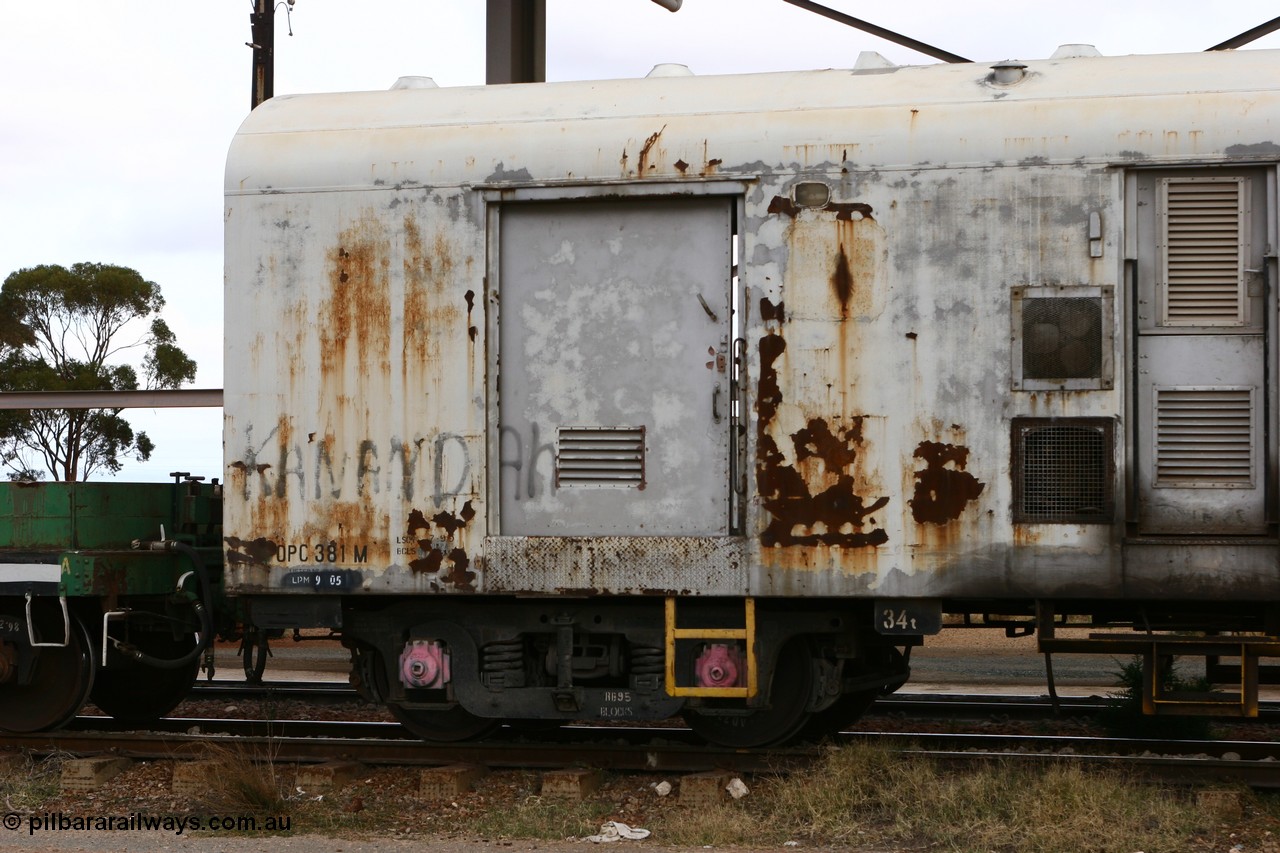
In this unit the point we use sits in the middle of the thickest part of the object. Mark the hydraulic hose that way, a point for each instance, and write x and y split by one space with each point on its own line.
203 607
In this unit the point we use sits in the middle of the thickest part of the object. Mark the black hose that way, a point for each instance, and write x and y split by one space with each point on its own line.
203 608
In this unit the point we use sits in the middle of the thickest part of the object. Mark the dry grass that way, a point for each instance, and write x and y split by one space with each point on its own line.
26 783
863 795
857 797
244 782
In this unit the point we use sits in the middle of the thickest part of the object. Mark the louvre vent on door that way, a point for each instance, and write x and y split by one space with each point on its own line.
1204 244
600 456
1204 437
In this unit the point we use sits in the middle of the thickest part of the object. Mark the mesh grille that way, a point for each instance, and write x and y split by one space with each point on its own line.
1062 470
1062 338
600 456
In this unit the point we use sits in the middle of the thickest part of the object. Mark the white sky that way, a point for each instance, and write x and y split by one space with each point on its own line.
115 117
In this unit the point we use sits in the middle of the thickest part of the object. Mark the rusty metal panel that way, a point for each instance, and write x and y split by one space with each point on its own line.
1199 455
352 428
614 315
617 565
1201 352
878 391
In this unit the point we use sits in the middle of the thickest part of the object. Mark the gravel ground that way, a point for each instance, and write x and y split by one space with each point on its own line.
396 819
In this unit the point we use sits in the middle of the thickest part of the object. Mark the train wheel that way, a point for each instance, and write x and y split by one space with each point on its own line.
843 713
134 692
59 687
883 664
449 726
782 720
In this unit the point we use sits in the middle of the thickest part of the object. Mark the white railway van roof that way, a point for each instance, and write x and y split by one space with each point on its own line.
1165 108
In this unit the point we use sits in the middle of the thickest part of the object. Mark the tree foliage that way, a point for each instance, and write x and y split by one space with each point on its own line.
61 330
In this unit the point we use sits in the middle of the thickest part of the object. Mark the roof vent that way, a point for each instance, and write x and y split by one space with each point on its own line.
414 83
1075 51
1008 72
869 59
670 69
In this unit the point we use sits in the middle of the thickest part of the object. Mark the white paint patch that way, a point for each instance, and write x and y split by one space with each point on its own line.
564 256
30 572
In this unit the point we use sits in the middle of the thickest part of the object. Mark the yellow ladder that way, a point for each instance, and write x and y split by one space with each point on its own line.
746 634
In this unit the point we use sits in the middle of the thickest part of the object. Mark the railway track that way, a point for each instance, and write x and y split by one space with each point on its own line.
910 705
667 749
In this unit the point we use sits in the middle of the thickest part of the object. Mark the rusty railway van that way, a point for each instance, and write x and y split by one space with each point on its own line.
714 395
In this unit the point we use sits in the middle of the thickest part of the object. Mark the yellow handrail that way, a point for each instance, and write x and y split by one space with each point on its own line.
747 634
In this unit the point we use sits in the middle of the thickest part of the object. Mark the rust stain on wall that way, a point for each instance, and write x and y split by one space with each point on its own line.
842 281
812 502
428 312
942 493
855 270
646 151
355 321
355 524
436 541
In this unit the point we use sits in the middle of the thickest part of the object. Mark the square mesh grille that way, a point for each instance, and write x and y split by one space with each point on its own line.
1062 338
600 456
1062 470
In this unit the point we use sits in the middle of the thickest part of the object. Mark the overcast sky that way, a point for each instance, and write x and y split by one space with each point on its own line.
117 116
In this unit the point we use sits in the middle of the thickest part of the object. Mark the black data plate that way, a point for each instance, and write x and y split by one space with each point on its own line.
908 615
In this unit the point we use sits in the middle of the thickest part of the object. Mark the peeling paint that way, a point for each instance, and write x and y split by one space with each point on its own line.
436 543
1257 149
942 493
771 313
260 551
844 211
812 501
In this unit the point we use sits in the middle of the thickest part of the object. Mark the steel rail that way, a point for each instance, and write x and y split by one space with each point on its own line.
911 705
1255 763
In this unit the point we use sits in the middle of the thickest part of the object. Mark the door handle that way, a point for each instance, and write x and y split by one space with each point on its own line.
715 404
